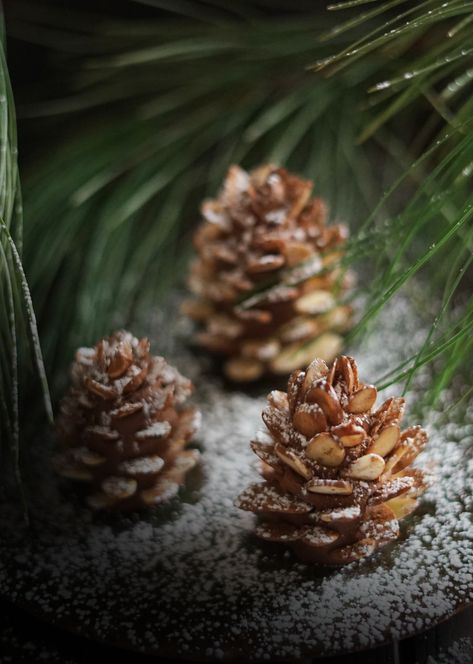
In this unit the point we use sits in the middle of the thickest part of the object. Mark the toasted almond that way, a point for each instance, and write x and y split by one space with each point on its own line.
294 386
278 423
343 368
386 440
221 325
291 459
323 394
309 419
403 505
318 536
128 408
338 318
88 457
243 369
407 450
163 490
279 532
368 467
198 310
332 487
262 498
266 263
149 465
298 329
316 369
316 302
340 515
363 399
261 349
296 252
349 433
104 391
325 450
215 343
260 316
121 360
391 411
119 487
278 400
299 354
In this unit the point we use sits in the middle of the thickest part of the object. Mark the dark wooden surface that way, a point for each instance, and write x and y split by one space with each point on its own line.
24 638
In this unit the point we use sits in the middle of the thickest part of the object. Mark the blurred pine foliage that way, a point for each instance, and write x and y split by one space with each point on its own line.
371 99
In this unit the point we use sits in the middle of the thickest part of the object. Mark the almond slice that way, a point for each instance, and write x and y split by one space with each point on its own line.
266 263
299 354
291 459
367 467
402 506
323 394
129 408
345 370
294 386
198 310
386 440
316 302
298 329
332 487
263 350
121 360
104 391
309 419
318 536
341 516
278 400
88 457
279 532
244 369
119 487
325 450
296 252
349 433
363 400
317 369
263 498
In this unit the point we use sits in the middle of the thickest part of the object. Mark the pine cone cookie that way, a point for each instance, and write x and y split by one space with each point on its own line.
267 278
125 424
337 471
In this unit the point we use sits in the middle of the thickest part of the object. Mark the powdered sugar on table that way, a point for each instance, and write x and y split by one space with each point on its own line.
189 579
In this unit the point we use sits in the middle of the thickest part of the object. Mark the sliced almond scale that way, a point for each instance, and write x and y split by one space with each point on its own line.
244 369
386 441
367 467
299 354
363 400
292 460
330 487
324 449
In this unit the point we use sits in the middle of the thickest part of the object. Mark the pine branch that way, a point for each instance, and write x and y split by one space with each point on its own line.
19 348
432 231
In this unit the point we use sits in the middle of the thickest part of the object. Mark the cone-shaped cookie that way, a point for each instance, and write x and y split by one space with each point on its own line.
125 424
337 471
267 278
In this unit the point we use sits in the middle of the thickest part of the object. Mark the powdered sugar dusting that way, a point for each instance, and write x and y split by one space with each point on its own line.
189 579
